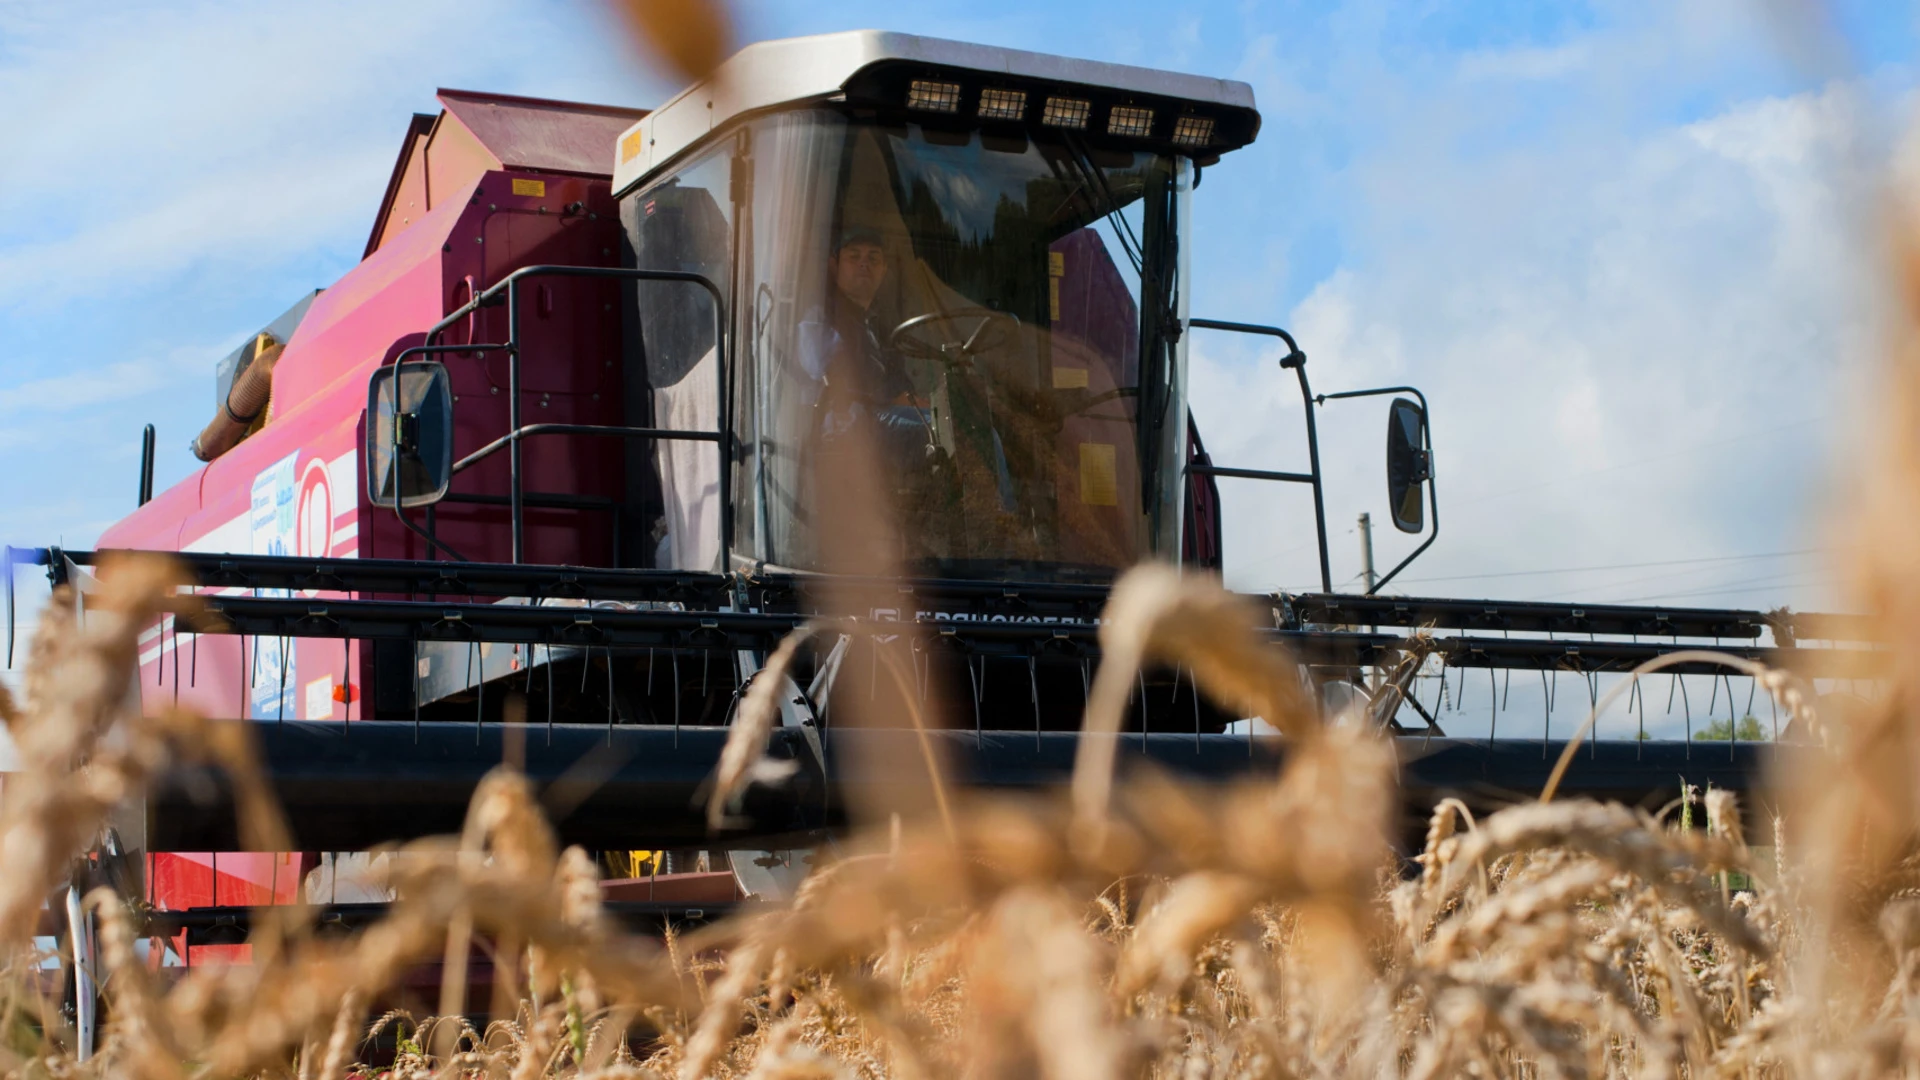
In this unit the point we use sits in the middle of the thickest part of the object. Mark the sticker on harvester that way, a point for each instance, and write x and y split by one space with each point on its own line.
1069 378
271 521
630 146
320 698
1099 481
536 188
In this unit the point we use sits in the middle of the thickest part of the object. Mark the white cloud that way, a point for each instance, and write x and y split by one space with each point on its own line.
1523 64
175 174
156 136
81 386
250 218
1634 337
1640 345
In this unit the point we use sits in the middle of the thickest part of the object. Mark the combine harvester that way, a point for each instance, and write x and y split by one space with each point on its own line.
547 473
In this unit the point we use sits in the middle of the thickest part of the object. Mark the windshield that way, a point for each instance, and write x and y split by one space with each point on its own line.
991 315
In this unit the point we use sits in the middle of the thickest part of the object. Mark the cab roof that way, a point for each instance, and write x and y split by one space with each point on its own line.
830 66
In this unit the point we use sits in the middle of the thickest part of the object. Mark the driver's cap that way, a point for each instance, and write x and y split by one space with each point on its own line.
857 234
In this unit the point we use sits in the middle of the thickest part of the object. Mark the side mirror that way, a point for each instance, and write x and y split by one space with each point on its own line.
1409 465
409 434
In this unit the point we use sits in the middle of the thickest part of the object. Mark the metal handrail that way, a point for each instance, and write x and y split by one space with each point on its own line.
1297 360
531 430
508 287
1251 474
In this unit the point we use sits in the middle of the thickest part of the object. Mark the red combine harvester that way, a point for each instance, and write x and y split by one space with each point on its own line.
546 474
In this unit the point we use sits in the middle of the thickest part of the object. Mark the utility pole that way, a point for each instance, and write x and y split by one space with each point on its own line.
1367 579
1366 551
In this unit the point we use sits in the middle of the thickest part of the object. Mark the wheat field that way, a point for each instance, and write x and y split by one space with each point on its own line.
1143 929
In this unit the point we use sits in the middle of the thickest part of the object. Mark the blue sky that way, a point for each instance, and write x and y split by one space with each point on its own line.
1624 247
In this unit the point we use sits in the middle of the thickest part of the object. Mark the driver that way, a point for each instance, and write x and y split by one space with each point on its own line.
854 374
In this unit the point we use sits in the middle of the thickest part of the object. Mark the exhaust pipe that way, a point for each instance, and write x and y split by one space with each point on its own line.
245 406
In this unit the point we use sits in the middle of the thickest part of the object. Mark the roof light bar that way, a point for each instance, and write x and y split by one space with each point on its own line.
1066 112
934 96
1128 120
998 104
1193 131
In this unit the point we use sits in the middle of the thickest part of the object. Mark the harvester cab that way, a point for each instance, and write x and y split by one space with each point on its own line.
950 277
617 400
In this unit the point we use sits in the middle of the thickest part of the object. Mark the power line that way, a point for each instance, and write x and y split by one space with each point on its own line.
1686 578
1616 566
1775 582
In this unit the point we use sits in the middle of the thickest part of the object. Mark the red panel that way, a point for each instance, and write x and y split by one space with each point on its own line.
176 882
219 954
181 880
708 887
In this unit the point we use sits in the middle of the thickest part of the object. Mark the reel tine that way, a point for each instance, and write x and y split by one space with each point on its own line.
1593 739
1493 710
976 702
1546 724
1688 709
1033 684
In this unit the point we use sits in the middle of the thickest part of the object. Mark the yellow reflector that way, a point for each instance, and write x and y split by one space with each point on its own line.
1071 378
537 188
1099 480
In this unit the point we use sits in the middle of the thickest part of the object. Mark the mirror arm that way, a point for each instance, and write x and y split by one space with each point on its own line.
1426 446
433 542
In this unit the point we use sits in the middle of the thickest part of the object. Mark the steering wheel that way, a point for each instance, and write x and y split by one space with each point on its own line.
995 328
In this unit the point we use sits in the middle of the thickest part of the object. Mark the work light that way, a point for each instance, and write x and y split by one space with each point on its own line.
1127 120
1193 130
934 96
1066 112
1002 104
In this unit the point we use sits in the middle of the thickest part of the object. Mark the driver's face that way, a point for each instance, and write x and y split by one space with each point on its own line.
858 270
